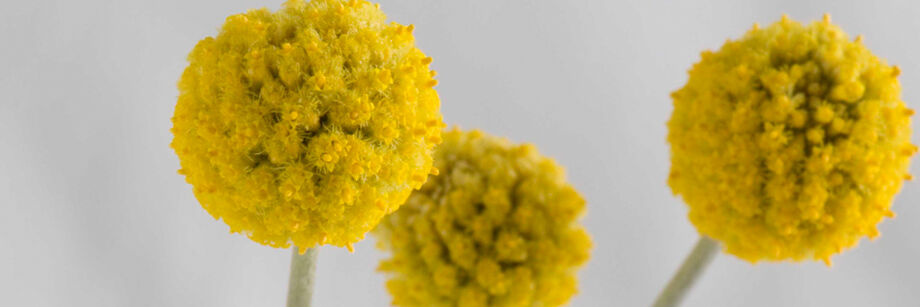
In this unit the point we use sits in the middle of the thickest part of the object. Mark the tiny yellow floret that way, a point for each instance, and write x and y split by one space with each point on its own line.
497 227
306 125
790 143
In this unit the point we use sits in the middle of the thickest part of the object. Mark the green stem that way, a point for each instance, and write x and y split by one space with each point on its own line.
300 286
689 271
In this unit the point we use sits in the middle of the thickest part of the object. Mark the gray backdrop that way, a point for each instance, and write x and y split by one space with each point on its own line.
92 212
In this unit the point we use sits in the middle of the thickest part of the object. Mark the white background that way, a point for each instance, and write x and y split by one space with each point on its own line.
92 212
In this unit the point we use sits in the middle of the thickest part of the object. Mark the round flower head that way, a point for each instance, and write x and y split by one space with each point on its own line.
497 227
306 125
789 143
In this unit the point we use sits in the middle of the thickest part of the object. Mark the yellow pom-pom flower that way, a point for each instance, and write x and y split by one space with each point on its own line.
497 227
789 143
306 125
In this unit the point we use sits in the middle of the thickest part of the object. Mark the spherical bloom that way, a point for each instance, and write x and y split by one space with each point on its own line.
306 125
497 227
789 143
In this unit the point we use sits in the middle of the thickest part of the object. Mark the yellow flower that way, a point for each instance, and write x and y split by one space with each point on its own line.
306 125
789 143
497 227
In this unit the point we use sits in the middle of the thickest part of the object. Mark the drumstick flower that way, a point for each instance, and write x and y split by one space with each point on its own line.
790 143
306 125
497 227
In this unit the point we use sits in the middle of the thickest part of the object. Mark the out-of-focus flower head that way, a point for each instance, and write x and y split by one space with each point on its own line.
497 227
790 143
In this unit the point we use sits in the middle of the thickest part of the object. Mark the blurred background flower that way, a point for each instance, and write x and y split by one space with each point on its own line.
497 227
790 142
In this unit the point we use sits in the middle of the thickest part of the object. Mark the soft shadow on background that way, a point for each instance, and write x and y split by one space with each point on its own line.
92 212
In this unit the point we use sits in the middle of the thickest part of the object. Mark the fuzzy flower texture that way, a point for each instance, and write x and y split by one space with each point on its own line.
790 143
497 227
306 125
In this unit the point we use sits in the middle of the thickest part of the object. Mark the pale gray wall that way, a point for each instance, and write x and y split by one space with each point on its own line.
92 212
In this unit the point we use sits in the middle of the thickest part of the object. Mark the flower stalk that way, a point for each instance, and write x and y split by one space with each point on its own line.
693 266
300 285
